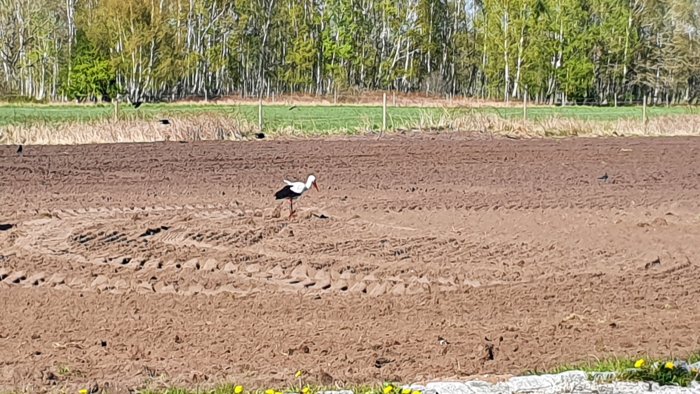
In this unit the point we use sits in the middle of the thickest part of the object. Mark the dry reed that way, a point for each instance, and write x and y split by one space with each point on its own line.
198 127
676 125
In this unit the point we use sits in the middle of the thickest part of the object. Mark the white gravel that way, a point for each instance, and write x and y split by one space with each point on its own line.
566 382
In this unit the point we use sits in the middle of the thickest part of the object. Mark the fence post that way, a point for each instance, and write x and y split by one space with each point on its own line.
525 105
384 113
116 109
394 97
644 109
260 114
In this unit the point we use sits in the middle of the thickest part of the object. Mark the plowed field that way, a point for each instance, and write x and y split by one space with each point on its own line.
137 264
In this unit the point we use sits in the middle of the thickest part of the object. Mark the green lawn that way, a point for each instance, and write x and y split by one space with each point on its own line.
592 113
311 118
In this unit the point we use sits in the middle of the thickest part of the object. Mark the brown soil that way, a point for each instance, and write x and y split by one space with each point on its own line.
167 264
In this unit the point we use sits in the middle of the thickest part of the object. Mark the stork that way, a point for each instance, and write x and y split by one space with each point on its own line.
294 190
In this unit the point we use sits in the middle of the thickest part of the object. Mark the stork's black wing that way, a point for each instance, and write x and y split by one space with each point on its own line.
286 192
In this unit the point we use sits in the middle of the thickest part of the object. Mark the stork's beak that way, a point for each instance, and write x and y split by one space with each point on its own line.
316 186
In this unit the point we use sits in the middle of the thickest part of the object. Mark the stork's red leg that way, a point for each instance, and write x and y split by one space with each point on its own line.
291 207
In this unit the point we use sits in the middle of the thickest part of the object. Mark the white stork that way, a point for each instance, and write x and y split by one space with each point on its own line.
294 190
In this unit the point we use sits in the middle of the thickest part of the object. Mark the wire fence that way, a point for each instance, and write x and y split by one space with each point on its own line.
319 118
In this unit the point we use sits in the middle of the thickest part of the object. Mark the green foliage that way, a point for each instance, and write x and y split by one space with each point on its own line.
663 373
555 50
90 78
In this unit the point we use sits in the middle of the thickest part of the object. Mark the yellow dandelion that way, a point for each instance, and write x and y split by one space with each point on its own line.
640 363
306 390
298 374
278 392
238 389
83 391
269 391
405 390
416 392
669 365
388 389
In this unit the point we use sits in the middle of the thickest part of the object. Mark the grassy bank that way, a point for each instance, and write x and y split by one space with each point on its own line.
71 124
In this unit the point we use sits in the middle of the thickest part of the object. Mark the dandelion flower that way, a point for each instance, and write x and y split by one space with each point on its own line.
669 365
278 392
298 374
269 391
83 391
388 389
306 390
640 363
416 392
405 390
238 389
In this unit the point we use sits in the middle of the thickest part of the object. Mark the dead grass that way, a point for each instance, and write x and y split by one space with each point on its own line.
197 127
677 125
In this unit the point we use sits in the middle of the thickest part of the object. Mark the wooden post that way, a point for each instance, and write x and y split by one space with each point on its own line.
384 113
394 97
116 109
260 114
525 105
335 96
644 109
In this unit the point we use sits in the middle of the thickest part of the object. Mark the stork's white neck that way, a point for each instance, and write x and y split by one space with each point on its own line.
310 181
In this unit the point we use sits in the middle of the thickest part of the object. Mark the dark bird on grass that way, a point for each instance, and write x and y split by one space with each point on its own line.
20 150
294 190
137 104
260 136
292 107
165 121
604 178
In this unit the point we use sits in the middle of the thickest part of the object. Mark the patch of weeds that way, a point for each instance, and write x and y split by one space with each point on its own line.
663 372
64 371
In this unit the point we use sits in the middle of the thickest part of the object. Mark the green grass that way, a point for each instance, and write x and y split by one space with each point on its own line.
316 119
590 113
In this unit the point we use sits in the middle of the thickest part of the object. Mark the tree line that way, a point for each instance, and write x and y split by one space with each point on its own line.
555 51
